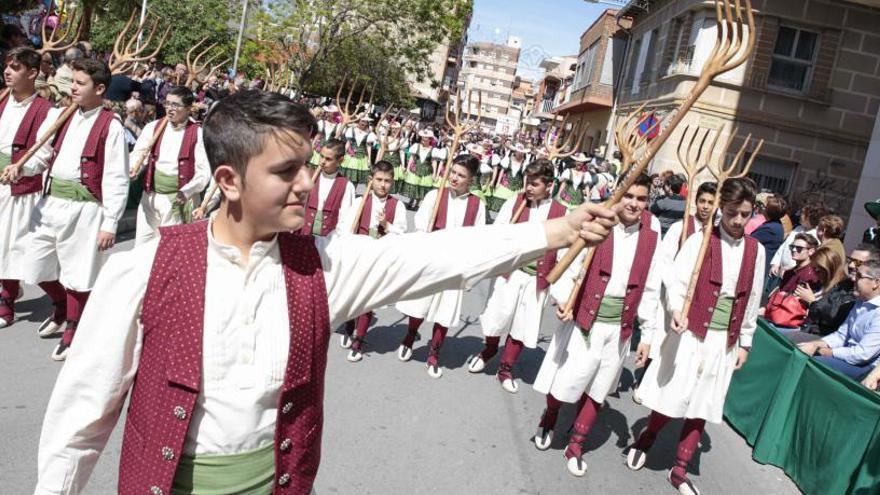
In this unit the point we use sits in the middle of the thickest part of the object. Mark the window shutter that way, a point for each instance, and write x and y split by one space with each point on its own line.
767 31
820 83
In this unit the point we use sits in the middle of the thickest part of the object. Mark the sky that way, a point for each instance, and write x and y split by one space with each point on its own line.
546 27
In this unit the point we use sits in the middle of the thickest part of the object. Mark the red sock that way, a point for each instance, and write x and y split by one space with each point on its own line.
512 350
363 322
8 295
687 445
10 288
490 349
436 343
411 330
76 303
58 295
656 422
582 424
551 412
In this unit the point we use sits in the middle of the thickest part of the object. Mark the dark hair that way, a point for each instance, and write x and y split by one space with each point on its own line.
814 211
468 162
738 190
643 180
336 145
831 226
674 183
97 70
870 248
542 169
185 95
237 127
382 166
707 188
811 241
26 56
774 208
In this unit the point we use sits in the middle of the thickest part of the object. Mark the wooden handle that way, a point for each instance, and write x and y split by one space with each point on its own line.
442 189
519 211
360 210
316 173
48 134
136 169
209 195
579 281
704 248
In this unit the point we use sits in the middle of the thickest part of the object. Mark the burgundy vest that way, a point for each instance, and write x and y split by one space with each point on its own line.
186 157
25 137
691 225
92 161
330 209
548 262
169 373
709 287
364 221
599 273
470 212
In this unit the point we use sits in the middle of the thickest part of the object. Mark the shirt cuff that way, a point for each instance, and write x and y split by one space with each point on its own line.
745 340
109 225
842 353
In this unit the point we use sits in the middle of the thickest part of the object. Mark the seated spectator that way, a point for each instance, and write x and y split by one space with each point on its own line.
872 381
803 276
830 231
854 348
758 214
134 120
670 208
829 308
771 233
810 215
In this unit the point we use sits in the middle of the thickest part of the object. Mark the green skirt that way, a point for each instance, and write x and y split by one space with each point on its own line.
418 180
356 169
570 196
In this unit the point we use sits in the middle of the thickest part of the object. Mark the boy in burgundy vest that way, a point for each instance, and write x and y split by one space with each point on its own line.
220 328
518 299
333 194
458 208
585 357
381 215
175 169
691 373
86 191
22 112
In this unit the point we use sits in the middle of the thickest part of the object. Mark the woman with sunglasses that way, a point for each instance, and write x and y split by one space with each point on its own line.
782 307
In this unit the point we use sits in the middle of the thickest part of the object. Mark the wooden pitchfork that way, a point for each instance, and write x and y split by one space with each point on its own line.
693 157
348 112
126 54
459 128
194 66
732 171
56 41
731 50
390 134
563 148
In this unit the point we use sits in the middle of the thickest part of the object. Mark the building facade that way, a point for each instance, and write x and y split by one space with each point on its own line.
491 69
445 63
811 89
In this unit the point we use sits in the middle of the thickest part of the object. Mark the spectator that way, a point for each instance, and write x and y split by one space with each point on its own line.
758 217
134 121
802 277
670 208
810 215
853 349
830 232
829 309
64 74
771 233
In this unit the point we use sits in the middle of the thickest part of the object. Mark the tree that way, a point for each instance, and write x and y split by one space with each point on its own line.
395 35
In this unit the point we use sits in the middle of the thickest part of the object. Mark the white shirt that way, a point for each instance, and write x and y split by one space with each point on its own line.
456 208
670 245
114 184
326 186
11 119
732 254
169 150
537 213
424 152
359 135
246 333
398 226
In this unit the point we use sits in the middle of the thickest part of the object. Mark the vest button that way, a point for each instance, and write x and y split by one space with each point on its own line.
85 176
592 312
155 490
710 309
167 453
287 407
706 324
179 412
715 293
626 308
284 479
285 445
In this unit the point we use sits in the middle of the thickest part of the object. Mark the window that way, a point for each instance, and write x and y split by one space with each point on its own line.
634 58
648 71
792 60
584 75
772 175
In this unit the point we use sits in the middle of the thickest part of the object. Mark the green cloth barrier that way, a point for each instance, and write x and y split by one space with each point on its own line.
167 184
610 310
819 426
721 314
251 472
70 190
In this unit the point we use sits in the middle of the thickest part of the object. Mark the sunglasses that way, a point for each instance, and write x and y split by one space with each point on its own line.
860 275
796 249
856 263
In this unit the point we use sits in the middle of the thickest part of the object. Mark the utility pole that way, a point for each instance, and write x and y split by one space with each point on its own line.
244 8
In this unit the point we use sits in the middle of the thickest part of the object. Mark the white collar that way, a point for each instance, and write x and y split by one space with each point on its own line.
729 238
232 254
27 101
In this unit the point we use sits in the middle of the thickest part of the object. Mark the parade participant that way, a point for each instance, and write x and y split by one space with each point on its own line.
575 182
333 194
418 179
328 123
87 163
509 179
690 376
458 208
586 355
176 167
392 149
202 419
517 300
360 139
22 112
603 183
379 217
439 155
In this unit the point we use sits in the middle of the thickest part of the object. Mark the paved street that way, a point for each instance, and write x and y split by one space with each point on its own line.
391 429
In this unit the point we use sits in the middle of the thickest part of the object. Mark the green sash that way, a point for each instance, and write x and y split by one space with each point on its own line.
251 473
610 310
721 315
530 269
70 190
319 223
5 160
167 184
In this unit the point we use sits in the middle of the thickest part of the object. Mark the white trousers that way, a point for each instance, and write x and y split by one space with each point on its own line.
515 307
443 307
15 218
154 211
